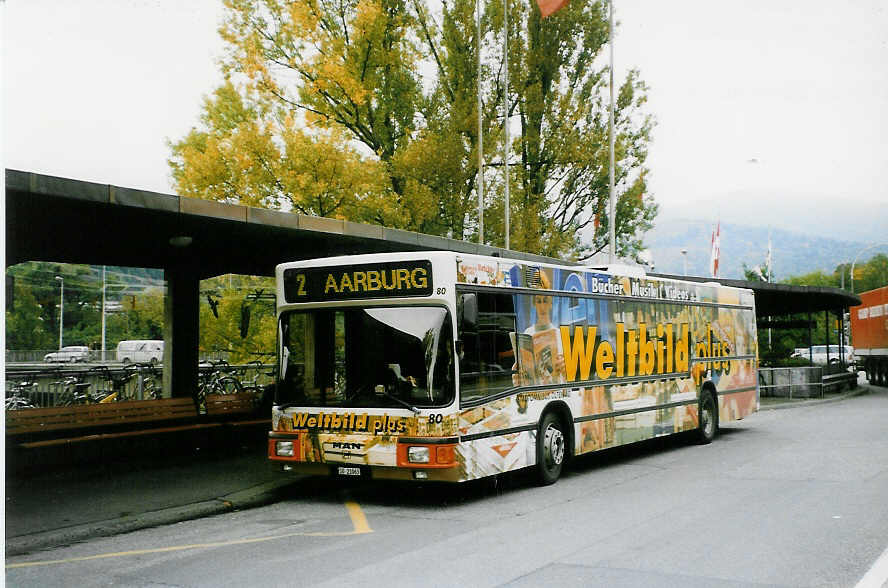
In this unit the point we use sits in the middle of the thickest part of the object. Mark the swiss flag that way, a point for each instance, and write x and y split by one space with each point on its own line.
715 251
548 7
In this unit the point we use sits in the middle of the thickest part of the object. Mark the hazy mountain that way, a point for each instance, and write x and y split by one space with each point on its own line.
792 254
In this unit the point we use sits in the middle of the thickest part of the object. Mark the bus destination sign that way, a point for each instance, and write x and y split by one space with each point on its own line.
347 282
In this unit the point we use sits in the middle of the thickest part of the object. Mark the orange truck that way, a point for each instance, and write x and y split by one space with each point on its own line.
869 334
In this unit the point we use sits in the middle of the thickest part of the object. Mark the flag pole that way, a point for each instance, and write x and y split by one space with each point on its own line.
770 271
480 133
103 313
612 215
506 110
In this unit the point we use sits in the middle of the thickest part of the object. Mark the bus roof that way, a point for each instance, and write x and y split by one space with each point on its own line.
622 281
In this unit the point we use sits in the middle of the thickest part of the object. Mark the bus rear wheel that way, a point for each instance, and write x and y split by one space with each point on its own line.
708 418
551 444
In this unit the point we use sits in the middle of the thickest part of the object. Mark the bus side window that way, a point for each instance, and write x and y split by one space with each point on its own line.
486 364
469 358
297 336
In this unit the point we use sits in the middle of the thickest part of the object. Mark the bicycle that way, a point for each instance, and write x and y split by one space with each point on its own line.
152 387
118 391
219 380
253 386
75 391
21 395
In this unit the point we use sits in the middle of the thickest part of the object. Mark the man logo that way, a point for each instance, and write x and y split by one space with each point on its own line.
338 445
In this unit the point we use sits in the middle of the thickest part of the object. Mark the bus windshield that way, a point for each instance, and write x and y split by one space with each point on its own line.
376 357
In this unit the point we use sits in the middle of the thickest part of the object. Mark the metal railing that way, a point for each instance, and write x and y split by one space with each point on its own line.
109 355
791 382
65 386
52 386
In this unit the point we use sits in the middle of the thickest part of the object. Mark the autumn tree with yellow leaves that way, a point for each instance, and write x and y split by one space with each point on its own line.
367 110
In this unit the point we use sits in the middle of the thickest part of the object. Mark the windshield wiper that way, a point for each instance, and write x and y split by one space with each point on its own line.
399 401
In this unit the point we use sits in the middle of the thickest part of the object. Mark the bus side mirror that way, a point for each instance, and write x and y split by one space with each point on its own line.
468 313
283 352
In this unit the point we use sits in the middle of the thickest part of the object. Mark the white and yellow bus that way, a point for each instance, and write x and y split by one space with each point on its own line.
450 367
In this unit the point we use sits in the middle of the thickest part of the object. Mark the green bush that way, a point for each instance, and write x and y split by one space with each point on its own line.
770 360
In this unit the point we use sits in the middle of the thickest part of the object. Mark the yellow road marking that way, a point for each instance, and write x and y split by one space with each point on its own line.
359 523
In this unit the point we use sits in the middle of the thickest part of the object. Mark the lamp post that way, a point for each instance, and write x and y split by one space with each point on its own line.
611 206
855 261
480 131
506 146
684 256
61 307
103 313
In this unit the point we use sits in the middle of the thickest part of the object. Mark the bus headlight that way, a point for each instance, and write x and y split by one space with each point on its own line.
418 454
283 448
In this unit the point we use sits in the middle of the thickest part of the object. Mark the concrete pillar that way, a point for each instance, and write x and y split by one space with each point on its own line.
842 338
181 326
810 339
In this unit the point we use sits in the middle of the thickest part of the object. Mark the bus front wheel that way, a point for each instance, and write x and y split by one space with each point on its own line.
708 417
551 444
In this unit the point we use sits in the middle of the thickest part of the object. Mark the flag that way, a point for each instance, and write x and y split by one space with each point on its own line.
549 7
714 251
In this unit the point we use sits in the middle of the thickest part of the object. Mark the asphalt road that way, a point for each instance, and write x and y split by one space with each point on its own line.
785 498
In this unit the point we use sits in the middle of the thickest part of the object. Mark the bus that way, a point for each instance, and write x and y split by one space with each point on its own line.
450 367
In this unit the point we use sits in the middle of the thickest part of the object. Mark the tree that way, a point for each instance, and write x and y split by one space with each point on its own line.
220 330
367 110
871 275
247 155
559 169
561 183
868 275
145 315
25 326
32 324
37 305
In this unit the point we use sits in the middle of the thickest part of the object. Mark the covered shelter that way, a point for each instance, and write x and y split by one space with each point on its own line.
65 220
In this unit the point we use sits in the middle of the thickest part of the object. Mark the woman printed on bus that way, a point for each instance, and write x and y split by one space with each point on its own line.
544 342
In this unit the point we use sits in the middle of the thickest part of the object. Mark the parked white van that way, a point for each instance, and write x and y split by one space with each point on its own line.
140 351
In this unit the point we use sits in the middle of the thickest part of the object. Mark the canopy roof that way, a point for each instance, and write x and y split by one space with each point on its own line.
782 299
63 220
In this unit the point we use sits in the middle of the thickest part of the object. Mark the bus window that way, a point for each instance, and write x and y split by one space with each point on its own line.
488 357
381 357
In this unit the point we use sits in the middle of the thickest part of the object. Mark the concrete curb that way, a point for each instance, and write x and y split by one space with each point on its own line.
252 497
859 391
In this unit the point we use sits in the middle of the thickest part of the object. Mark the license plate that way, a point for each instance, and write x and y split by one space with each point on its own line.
345 471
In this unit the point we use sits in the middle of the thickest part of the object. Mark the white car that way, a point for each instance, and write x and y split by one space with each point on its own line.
70 353
818 354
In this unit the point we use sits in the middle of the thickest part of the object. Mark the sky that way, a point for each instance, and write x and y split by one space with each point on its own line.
769 113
